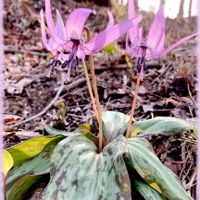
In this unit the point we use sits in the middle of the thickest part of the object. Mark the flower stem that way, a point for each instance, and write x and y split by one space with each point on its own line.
130 125
90 89
94 83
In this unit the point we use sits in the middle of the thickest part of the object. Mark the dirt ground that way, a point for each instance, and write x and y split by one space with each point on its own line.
168 89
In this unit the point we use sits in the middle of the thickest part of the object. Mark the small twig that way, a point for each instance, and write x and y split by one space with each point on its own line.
160 75
43 111
192 180
73 85
7 50
190 94
133 106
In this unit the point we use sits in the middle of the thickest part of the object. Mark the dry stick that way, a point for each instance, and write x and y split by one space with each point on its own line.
43 111
133 106
101 138
61 89
90 89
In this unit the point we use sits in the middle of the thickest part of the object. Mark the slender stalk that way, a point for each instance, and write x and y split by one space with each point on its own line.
94 83
130 125
90 89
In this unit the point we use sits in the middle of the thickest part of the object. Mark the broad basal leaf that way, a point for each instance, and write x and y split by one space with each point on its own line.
31 169
149 167
114 124
161 125
30 148
7 162
78 172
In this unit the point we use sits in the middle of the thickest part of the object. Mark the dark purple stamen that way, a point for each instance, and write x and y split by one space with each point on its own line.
141 63
52 65
72 61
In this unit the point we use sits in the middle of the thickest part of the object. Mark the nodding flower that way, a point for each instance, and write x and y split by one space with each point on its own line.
66 42
153 45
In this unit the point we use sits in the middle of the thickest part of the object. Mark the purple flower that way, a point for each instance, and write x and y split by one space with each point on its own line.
66 42
153 45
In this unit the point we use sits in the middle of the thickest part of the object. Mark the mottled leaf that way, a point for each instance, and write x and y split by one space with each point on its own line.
30 148
149 167
114 124
79 172
161 125
7 162
146 191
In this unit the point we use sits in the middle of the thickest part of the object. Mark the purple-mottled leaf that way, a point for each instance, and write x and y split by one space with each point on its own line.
79 172
114 124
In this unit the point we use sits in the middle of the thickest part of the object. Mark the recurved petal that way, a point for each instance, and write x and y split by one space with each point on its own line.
111 19
133 32
156 53
60 27
50 23
170 48
44 38
157 29
109 35
76 21
131 9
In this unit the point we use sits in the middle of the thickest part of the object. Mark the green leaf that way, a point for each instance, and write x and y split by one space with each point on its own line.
110 49
52 131
114 124
149 167
85 129
32 169
78 172
8 161
30 148
161 125
20 188
146 191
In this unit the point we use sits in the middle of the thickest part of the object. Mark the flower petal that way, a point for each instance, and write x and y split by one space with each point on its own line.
109 35
157 29
60 26
111 19
133 32
50 23
131 9
44 38
170 48
76 22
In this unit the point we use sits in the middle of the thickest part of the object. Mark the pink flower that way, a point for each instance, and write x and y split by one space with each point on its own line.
153 45
66 42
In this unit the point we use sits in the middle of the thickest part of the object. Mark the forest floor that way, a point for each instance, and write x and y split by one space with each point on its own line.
168 89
